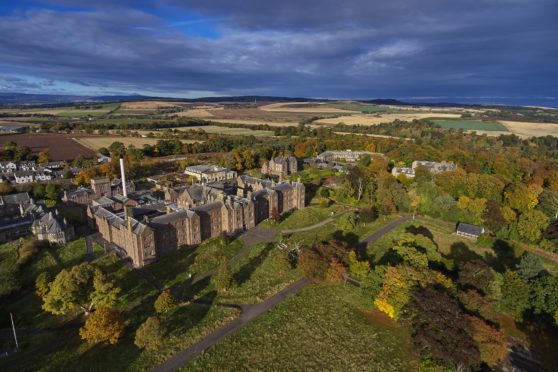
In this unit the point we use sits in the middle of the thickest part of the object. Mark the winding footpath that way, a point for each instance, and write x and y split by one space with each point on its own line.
251 312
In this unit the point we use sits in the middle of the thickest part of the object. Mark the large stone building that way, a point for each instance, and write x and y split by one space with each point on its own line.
346 155
210 173
52 228
280 166
100 186
192 216
434 166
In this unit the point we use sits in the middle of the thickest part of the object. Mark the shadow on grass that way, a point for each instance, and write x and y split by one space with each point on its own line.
504 256
186 317
244 274
421 230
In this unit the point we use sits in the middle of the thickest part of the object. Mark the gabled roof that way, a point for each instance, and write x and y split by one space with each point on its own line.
174 216
470 229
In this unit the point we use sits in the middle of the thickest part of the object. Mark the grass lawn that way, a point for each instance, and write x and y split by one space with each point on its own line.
321 328
469 124
177 266
262 273
308 216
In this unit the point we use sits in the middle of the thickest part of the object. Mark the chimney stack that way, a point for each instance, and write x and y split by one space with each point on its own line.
123 178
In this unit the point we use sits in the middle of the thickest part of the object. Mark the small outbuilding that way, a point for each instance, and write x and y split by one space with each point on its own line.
469 231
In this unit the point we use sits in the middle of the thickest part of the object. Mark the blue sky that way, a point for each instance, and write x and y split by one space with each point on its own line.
441 50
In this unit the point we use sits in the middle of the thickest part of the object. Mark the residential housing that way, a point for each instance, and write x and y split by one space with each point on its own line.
433 166
407 172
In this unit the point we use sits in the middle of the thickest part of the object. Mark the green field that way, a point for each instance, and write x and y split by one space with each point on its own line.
322 328
214 129
466 124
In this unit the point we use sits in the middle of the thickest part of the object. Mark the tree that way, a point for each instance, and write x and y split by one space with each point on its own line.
44 157
475 302
39 191
105 325
165 302
51 191
41 284
548 203
530 266
316 261
492 342
531 225
440 328
336 271
520 197
223 279
493 217
359 269
544 294
117 149
151 334
515 295
8 278
84 286
477 274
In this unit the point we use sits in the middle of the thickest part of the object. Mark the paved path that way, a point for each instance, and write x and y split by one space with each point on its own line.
319 224
384 230
249 313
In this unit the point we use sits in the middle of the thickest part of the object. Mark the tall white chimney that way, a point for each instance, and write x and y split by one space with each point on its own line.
123 178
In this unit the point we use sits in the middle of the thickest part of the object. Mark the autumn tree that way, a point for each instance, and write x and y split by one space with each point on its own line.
165 302
316 261
440 329
492 342
477 274
493 217
544 294
548 203
83 286
44 157
151 334
359 270
223 279
104 325
531 225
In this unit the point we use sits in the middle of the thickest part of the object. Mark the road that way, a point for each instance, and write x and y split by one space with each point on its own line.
251 312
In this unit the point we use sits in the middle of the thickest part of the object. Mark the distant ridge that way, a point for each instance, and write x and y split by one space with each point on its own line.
24 99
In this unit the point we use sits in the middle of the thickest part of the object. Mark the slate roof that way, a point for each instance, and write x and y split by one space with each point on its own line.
174 216
470 229
208 207
49 224
19 198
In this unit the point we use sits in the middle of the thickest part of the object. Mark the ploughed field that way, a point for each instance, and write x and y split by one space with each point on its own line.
60 146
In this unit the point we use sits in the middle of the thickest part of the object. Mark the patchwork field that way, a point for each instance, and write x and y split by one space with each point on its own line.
71 111
60 146
95 143
526 129
214 129
471 125
364 119
305 107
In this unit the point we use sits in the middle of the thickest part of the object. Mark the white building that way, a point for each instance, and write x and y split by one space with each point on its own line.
407 172
433 166
347 155
23 176
210 173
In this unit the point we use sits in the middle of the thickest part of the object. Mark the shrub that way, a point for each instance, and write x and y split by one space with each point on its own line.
165 302
151 334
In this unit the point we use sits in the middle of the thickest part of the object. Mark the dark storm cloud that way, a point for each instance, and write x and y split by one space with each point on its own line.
357 48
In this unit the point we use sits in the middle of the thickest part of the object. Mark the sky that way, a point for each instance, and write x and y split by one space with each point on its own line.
437 50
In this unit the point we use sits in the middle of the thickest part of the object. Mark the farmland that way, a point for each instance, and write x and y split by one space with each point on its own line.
374 119
60 146
213 129
472 125
526 129
96 142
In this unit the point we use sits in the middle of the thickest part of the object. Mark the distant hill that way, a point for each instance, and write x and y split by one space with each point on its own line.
53 99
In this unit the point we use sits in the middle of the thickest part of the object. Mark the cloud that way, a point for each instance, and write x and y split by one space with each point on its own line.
324 48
